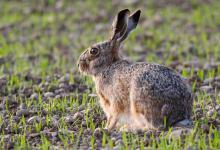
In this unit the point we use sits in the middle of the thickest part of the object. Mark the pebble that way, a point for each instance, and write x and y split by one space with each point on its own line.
23 106
33 119
3 81
10 101
217 107
61 91
218 112
33 135
92 95
119 142
34 96
78 115
57 96
208 81
206 88
69 119
97 132
55 122
49 94
217 78
217 85
10 145
210 113
205 128
184 123
62 85
178 133
23 112
65 78
16 118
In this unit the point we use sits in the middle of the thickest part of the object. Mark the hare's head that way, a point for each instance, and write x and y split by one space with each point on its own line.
100 55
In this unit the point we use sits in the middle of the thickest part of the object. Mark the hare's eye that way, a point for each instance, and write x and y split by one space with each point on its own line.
94 51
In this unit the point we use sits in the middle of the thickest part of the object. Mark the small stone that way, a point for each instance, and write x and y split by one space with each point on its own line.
22 106
117 147
33 135
119 142
217 107
54 134
83 123
206 88
57 96
48 79
23 112
61 90
16 118
208 81
217 78
69 119
10 102
179 133
207 66
62 85
218 112
217 85
205 128
210 113
184 123
49 94
65 78
97 132
33 120
9 145
34 96
55 122
78 115
190 147
92 95
3 81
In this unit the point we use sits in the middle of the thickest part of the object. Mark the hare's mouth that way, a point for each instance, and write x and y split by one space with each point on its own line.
83 66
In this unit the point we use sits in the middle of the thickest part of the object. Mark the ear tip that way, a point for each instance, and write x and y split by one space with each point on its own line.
138 12
124 11
136 15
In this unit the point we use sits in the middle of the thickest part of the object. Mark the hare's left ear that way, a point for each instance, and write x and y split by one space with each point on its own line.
119 25
124 24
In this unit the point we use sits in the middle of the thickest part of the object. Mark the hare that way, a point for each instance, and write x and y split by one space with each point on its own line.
134 95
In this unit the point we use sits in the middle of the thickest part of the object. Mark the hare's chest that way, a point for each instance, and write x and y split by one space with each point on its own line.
104 102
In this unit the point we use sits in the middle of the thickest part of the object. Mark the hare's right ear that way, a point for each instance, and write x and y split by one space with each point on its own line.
124 24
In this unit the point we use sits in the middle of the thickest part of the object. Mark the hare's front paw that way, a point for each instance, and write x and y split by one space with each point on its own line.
126 128
108 122
111 122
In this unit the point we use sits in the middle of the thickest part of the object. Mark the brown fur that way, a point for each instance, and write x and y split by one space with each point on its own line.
138 95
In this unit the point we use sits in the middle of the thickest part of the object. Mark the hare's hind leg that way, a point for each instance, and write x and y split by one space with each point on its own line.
140 122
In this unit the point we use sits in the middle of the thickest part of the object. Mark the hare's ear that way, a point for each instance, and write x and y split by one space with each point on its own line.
132 23
120 24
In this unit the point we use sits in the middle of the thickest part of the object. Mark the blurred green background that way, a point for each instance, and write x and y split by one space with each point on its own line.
41 36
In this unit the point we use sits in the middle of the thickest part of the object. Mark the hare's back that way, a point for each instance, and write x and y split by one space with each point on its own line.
159 82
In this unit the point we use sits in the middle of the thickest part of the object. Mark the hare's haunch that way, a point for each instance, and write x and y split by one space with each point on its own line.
134 95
